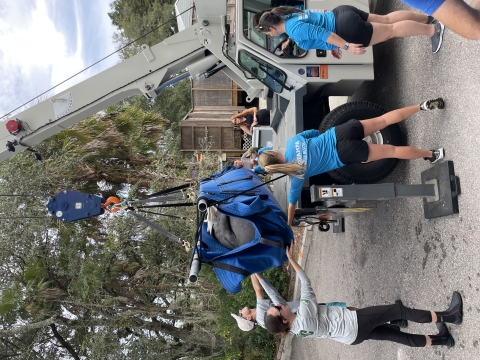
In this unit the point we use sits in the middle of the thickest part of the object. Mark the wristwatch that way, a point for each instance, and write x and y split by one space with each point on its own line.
346 46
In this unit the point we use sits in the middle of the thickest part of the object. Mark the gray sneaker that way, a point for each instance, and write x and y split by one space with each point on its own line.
437 37
430 20
438 154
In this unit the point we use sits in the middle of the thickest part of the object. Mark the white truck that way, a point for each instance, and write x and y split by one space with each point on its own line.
296 85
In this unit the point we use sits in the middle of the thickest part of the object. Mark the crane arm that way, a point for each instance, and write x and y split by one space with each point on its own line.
140 74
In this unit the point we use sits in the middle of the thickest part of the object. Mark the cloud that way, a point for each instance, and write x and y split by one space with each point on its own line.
44 42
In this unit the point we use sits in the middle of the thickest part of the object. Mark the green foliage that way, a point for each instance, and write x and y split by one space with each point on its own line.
8 302
255 344
137 18
134 18
35 271
174 102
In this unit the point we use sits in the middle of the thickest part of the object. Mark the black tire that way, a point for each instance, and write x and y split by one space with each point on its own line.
366 173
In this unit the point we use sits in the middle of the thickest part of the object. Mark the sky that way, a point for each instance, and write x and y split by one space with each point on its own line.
43 42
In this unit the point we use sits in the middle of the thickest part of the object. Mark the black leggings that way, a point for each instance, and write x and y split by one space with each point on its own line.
372 319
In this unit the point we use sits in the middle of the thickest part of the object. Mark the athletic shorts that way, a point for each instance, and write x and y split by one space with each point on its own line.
426 6
351 148
352 26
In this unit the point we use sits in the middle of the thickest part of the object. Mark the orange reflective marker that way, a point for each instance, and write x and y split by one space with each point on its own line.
323 71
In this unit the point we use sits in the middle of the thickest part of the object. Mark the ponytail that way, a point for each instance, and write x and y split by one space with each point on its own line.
275 324
270 163
273 17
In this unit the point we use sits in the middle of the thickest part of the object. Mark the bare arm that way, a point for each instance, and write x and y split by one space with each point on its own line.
290 214
246 129
272 293
257 287
255 121
336 40
294 263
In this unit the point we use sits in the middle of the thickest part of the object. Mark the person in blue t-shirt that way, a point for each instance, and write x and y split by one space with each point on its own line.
458 16
345 27
308 153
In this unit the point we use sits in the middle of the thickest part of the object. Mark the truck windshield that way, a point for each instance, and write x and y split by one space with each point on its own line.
271 43
269 75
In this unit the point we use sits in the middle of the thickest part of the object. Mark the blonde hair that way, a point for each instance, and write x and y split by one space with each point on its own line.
270 162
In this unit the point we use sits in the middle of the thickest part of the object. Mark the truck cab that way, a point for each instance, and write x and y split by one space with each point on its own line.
296 83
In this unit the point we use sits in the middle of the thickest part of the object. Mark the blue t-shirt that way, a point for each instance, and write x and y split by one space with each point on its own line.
311 29
317 152
427 6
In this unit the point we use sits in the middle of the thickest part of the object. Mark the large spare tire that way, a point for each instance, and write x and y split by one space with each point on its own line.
364 173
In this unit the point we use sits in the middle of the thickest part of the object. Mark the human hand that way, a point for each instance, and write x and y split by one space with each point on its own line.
356 49
336 54
285 45
289 251
252 150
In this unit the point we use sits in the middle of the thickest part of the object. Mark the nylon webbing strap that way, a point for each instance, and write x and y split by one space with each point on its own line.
246 191
271 243
166 191
166 205
271 233
157 227
227 267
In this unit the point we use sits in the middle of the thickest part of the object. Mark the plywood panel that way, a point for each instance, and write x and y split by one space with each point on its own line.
214 137
186 137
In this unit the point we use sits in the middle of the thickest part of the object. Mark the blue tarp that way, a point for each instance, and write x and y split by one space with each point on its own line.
267 249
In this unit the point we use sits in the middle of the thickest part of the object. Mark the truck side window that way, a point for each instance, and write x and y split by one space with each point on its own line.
269 75
271 43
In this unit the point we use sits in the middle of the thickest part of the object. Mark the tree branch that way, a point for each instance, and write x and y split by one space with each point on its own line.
64 343
28 327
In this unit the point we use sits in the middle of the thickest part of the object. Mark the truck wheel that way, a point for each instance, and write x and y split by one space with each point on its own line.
367 172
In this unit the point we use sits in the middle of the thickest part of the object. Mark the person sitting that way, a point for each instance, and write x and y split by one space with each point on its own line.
249 118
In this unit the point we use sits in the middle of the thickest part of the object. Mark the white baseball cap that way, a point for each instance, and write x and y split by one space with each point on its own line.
244 324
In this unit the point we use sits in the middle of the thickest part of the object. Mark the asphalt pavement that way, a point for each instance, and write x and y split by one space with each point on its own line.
393 252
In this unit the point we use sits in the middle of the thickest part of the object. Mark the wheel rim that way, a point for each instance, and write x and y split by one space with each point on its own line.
375 138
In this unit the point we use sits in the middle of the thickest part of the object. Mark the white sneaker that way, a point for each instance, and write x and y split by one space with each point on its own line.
437 155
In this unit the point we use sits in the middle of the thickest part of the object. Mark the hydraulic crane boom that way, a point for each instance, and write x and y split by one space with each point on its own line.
141 74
